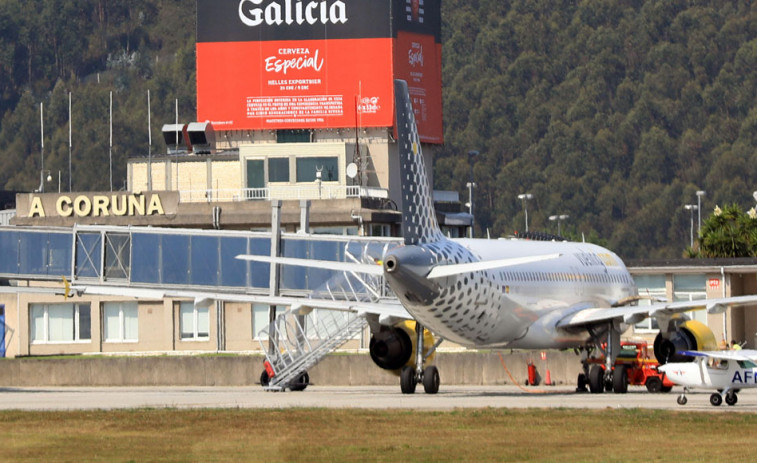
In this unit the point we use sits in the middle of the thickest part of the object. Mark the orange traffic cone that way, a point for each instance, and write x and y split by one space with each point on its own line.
548 379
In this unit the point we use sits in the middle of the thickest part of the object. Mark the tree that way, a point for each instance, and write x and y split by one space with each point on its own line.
729 232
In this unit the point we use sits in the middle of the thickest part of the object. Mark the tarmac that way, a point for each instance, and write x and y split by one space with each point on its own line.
367 397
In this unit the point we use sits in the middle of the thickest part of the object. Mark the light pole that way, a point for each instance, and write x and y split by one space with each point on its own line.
42 179
559 218
700 193
525 197
691 208
470 185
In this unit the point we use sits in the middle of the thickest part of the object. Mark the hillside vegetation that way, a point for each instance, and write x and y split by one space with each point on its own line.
614 112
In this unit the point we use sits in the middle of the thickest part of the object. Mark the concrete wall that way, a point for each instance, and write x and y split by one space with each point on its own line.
339 370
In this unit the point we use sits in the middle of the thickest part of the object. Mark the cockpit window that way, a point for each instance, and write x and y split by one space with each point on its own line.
746 364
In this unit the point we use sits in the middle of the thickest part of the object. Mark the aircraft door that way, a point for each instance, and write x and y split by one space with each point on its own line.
2 331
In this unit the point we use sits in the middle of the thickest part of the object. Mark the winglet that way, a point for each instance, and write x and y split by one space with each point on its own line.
419 223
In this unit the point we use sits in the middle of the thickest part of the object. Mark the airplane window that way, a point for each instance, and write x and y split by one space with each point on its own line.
746 364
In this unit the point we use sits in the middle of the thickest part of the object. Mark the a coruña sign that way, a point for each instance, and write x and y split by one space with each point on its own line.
96 206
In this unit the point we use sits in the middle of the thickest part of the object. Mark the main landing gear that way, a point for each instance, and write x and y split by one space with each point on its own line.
716 399
601 380
608 377
410 376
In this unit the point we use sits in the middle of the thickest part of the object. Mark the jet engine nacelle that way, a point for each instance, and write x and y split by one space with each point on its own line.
394 347
688 335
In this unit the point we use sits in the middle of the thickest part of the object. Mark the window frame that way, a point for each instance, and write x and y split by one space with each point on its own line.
196 313
76 314
121 322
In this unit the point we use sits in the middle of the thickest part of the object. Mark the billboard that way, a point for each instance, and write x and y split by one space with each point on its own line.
418 61
280 64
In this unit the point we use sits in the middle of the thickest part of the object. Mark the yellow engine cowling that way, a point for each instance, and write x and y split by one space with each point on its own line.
395 347
689 335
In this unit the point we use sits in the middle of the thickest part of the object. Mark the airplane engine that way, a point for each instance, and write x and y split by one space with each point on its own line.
688 335
394 347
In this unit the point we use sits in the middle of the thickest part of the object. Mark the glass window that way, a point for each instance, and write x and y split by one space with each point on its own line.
175 259
146 249
278 169
9 250
88 255
204 265
59 254
60 323
117 255
293 136
33 253
308 167
255 173
121 321
194 321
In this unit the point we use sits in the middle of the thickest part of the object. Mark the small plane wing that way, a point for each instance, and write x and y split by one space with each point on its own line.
635 314
743 354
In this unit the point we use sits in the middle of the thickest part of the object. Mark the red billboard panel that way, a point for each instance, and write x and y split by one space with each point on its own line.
281 64
295 84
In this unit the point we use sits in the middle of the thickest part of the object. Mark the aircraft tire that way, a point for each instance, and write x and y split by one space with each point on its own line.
731 398
682 400
596 379
620 379
431 380
407 380
716 399
654 384
300 382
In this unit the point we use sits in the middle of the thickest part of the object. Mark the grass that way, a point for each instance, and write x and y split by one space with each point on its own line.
299 435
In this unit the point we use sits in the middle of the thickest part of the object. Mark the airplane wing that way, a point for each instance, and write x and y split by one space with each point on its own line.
634 314
441 271
312 263
387 308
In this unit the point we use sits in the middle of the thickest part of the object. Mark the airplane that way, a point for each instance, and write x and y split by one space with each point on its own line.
506 293
726 371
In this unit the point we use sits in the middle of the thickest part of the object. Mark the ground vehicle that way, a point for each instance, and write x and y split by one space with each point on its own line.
640 369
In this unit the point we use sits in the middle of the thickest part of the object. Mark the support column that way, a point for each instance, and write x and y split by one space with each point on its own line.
273 281
305 216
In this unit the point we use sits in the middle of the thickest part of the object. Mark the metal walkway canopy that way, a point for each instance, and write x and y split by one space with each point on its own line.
177 258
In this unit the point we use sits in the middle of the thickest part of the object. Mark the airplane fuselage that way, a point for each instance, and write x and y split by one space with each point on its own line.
702 374
513 306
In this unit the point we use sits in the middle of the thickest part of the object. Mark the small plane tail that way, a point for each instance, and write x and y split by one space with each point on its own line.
419 223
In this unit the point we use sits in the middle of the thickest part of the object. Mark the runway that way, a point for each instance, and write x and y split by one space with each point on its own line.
374 397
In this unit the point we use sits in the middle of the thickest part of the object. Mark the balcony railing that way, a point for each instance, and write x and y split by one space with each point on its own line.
287 192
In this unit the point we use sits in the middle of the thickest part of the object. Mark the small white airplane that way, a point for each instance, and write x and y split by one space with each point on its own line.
726 371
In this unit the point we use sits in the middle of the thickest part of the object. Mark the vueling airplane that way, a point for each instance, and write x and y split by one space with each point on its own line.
507 293
517 293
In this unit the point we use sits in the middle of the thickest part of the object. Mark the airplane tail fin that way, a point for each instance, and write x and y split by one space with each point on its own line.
419 223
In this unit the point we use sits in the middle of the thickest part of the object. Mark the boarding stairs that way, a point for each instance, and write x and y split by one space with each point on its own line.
297 340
